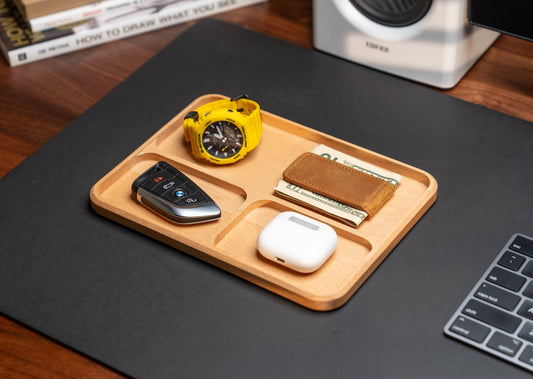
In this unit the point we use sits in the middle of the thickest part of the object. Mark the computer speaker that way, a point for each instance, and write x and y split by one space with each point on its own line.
429 41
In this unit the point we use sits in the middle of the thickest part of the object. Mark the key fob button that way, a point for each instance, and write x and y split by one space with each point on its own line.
175 194
192 200
163 187
179 193
150 183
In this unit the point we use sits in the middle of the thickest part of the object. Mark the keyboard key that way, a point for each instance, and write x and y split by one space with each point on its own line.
512 260
493 316
526 309
506 279
522 245
497 296
527 355
469 329
528 291
504 344
527 332
528 270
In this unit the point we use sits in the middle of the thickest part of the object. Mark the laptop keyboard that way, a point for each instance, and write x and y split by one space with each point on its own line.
497 315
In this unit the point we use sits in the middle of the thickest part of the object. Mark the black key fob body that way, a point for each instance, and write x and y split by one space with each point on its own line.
167 191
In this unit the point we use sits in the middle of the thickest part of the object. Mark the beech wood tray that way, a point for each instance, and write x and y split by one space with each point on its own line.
244 193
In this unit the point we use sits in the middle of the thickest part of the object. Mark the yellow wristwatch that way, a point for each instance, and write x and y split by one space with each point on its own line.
224 131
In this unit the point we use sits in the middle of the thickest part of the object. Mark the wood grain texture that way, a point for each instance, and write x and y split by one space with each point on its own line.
39 99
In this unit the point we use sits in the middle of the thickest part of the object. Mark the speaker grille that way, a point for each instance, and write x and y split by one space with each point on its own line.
393 12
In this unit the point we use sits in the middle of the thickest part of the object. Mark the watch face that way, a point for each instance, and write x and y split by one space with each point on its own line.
222 139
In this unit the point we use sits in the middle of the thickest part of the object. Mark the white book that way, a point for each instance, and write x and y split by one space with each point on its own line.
36 46
86 12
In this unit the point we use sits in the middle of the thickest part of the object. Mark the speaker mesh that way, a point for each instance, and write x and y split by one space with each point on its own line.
393 12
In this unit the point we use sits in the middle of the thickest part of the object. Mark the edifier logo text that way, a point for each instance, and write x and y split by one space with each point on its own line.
376 46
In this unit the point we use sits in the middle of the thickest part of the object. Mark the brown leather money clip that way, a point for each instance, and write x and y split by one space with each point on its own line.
339 182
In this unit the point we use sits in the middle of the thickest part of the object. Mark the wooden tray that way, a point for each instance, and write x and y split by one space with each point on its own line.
244 193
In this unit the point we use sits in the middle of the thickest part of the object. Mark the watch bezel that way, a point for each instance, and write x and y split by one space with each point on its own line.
216 117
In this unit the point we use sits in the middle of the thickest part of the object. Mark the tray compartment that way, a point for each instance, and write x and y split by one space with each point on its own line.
114 193
259 172
239 239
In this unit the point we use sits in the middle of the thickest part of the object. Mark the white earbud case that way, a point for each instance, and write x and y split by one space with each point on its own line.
297 242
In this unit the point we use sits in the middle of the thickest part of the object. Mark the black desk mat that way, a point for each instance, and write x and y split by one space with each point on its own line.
150 311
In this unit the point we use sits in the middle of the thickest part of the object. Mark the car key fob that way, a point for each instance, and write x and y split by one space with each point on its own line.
168 192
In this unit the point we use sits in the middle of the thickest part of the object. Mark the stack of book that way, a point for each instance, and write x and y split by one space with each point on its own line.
31 30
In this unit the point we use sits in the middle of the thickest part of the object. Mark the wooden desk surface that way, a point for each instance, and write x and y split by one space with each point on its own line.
39 99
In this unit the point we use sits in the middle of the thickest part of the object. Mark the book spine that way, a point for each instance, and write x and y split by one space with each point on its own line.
91 37
84 12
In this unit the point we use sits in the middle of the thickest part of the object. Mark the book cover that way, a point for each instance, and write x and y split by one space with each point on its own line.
85 12
36 8
20 45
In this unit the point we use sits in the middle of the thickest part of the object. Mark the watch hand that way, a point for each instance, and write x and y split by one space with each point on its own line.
219 130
